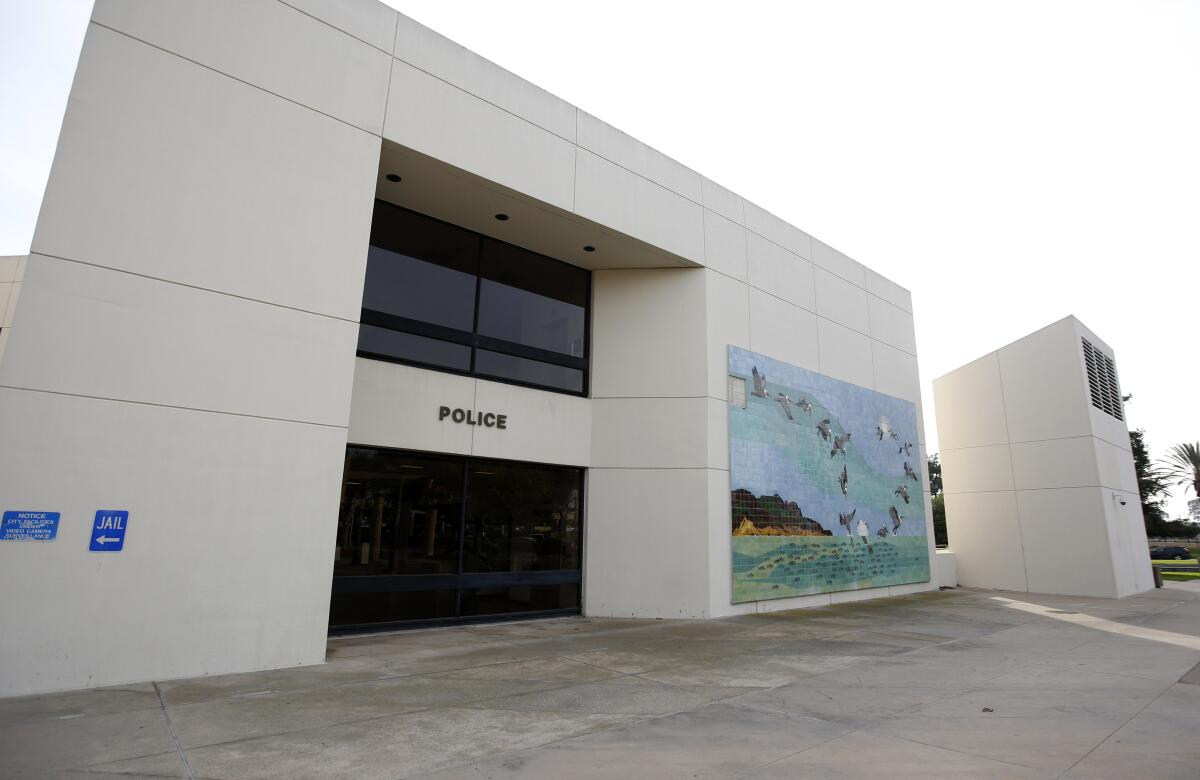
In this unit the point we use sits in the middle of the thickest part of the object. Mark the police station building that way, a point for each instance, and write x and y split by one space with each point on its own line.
331 325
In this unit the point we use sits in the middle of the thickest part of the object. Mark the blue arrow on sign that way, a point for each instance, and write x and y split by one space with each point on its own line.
108 530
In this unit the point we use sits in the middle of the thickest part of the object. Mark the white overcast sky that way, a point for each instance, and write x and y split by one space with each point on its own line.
1009 162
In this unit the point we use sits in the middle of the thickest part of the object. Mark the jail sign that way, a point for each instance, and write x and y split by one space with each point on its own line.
108 530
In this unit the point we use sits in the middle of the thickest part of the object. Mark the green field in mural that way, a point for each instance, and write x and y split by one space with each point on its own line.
826 484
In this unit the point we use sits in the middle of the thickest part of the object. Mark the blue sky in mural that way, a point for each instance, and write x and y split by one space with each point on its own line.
770 454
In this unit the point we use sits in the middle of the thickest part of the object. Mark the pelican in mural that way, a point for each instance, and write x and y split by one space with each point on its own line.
760 383
824 430
846 520
884 429
786 403
805 406
843 480
905 449
902 491
908 472
896 519
864 532
839 445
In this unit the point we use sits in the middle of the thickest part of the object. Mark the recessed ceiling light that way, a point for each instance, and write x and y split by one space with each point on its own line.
589 248
502 217
392 177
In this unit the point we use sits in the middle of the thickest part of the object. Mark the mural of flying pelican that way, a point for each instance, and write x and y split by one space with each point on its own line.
839 445
824 429
902 491
786 403
908 472
884 429
760 383
905 449
896 518
846 520
843 480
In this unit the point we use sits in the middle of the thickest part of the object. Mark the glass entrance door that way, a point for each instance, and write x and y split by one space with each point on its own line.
435 538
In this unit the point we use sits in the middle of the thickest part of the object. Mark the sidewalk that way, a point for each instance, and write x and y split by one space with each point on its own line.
953 684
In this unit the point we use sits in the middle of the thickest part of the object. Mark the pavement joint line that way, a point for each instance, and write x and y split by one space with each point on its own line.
1114 731
187 768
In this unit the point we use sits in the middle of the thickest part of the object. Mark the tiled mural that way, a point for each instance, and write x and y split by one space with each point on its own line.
826 484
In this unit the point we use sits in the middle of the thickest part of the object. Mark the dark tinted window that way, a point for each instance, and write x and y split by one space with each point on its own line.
388 343
411 547
526 371
442 296
522 518
532 300
520 598
400 514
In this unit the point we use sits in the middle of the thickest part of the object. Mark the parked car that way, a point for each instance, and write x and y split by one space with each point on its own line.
1170 553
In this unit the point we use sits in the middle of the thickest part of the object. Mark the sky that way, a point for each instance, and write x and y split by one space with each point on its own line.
1009 162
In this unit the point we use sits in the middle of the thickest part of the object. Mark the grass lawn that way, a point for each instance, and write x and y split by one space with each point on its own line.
1184 562
1181 576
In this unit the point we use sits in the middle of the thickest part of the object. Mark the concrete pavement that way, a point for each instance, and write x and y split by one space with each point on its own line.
952 684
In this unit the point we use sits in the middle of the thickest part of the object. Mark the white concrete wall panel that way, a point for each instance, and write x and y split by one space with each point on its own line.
892 325
977 469
646 535
721 200
628 152
644 326
1115 466
173 340
445 122
844 354
368 20
783 330
649 432
1055 463
397 406
779 272
825 256
541 427
724 245
441 57
888 290
728 322
1132 570
841 301
11 268
985 536
896 372
945 569
1043 388
718 439
209 581
267 44
631 204
772 228
1066 524
970 405
171 170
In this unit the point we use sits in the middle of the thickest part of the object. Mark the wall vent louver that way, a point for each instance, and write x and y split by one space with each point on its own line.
1102 381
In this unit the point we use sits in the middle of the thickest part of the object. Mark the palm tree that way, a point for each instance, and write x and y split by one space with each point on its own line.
1183 464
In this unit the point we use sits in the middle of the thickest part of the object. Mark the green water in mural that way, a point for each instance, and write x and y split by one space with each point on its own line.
767 567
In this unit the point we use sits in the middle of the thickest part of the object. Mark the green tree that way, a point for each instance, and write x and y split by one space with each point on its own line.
938 500
1183 464
1153 484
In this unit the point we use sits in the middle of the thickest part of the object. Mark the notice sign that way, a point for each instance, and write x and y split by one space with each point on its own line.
29 527
108 531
